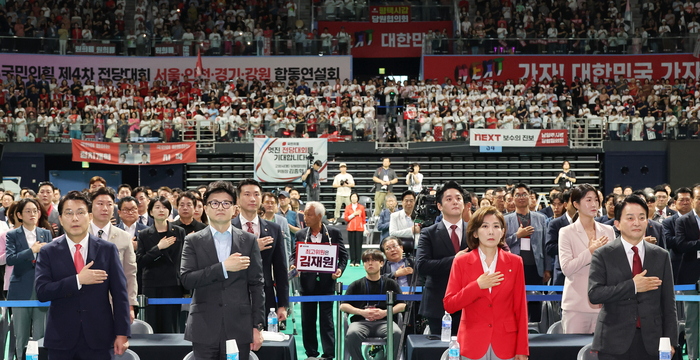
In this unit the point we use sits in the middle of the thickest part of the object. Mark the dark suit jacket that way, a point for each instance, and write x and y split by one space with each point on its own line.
236 302
325 284
19 255
688 243
610 284
54 219
2 214
160 267
383 224
551 246
603 219
89 307
273 260
410 262
150 220
548 212
669 225
656 230
434 258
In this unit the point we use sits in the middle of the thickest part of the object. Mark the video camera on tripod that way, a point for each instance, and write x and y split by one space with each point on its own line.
426 209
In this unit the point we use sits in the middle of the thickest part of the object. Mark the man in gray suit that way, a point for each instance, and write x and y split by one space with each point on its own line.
633 281
222 267
45 197
526 237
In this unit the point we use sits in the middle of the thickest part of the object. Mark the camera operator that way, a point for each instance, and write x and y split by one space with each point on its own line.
384 179
312 180
344 183
414 179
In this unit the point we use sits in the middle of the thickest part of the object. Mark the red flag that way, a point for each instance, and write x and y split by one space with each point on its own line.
528 84
198 68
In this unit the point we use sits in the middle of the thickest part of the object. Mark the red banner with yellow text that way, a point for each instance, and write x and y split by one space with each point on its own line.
134 154
387 40
540 67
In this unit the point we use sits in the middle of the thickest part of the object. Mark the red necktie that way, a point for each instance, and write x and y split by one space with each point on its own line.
78 259
250 227
636 269
454 238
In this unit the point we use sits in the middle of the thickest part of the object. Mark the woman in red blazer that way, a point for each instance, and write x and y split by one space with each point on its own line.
356 218
488 285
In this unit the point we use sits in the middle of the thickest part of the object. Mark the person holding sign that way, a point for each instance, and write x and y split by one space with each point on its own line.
566 178
318 283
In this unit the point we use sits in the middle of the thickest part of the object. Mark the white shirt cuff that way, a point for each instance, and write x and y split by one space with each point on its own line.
224 268
77 279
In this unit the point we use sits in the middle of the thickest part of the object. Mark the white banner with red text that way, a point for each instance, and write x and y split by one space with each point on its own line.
518 137
219 68
317 257
287 159
544 67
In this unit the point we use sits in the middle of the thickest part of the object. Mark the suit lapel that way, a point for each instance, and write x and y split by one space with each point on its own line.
236 240
445 235
68 260
621 257
581 232
463 243
93 248
41 236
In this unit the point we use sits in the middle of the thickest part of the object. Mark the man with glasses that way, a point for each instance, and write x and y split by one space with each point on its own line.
45 198
684 204
83 278
401 225
223 265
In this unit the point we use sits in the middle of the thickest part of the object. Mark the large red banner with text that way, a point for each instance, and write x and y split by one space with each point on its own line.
386 40
134 154
567 67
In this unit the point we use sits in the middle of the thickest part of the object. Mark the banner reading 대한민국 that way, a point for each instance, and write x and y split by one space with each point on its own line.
134 154
286 159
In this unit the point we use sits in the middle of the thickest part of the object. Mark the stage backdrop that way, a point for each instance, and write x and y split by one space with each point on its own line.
134 154
541 67
286 159
382 40
220 68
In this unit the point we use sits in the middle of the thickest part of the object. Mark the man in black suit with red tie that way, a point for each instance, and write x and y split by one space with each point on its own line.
687 242
438 246
270 242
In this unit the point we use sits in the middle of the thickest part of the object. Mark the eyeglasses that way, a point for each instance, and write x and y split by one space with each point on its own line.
30 211
129 211
391 247
71 213
224 204
520 196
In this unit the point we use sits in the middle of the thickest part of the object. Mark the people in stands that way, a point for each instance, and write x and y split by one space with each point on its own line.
577 243
487 285
369 318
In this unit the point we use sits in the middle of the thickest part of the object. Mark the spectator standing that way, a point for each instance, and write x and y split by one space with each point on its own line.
270 208
356 217
414 179
566 178
344 183
186 203
401 224
384 179
312 179
343 41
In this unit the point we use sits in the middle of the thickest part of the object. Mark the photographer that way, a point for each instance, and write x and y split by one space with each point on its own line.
384 179
344 183
414 179
312 180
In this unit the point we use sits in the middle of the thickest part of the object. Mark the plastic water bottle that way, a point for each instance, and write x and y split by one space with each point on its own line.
665 348
454 349
231 350
446 327
272 321
32 351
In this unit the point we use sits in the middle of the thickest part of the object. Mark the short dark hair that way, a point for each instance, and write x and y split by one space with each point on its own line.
608 197
271 195
121 186
139 189
97 179
408 193
658 188
23 203
247 181
580 191
565 162
102 191
164 201
627 187
46 183
387 239
617 186
499 189
477 220
165 188
187 194
683 190
217 187
566 196
518 186
557 196
631 199
318 163
372 254
74 195
293 189
201 187
448 185
127 199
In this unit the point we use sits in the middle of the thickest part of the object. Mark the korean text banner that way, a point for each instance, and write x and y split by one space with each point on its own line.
541 67
134 154
386 40
317 257
220 68
518 137
390 14
286 159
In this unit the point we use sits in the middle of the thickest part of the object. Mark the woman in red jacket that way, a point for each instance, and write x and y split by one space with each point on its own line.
488 285
356 218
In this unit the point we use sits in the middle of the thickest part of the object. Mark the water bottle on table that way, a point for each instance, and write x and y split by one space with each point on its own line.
446 327
272 321
453 350
665 348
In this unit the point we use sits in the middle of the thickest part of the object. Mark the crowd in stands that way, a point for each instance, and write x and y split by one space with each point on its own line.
576 27
46 110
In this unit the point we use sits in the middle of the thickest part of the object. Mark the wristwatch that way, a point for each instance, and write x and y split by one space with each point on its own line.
260 327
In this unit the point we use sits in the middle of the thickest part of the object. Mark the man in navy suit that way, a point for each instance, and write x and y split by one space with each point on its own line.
128 208
438 246
687 242
271 243
79 273
551 245
141 195
610 201
684 204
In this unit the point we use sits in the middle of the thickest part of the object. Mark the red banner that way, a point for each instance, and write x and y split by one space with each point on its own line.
386 40
389 14
567 67
95 49
134 154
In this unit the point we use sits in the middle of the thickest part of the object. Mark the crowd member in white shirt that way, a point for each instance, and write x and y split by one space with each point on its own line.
343 182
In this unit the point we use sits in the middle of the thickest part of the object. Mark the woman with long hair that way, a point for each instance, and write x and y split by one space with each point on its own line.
488 286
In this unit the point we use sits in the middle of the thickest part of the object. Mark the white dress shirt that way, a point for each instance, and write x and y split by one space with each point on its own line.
316 238
31 238
83 251
630 254
458 230
256 224
488 269
105 230
131 229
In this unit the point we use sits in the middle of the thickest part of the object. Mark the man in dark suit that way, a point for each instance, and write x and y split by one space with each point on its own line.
655 231
270 242
661 211
79 274
687 242
45 197
129 221
633 281
684 205
551 245
221 265
609 202
141 195
312 283
186 203
549 211
438 246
